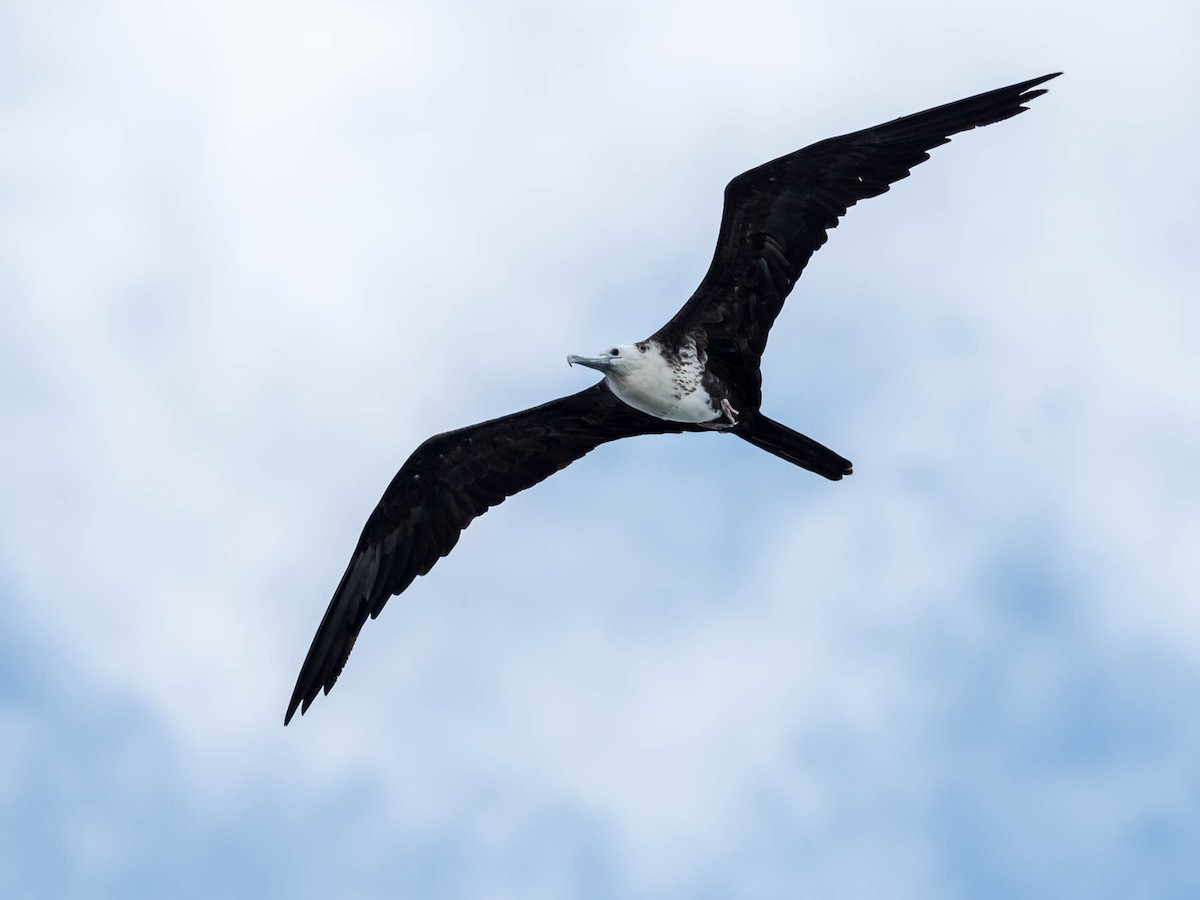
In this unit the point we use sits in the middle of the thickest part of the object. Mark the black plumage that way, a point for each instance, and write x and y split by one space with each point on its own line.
448 481
779 214
775 217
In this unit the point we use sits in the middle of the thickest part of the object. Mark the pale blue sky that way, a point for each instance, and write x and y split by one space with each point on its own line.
251 254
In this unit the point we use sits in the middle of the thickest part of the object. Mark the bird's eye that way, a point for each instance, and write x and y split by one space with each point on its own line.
615 352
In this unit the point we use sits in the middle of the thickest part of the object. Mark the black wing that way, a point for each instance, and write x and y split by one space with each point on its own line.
448 481
778 215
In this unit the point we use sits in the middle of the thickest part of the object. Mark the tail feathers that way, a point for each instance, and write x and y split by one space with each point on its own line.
795 448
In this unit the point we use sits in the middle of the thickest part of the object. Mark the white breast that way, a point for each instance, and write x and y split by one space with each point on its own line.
654 386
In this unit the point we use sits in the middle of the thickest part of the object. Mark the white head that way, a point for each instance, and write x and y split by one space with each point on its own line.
617 362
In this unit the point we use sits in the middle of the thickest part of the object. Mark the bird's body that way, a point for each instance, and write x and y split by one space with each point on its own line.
667 384
699 372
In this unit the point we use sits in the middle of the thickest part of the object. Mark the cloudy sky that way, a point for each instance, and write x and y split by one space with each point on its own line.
252 253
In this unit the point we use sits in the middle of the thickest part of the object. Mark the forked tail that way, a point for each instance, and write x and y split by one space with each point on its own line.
794 447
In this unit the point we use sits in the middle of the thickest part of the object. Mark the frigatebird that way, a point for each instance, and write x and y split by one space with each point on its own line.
698 372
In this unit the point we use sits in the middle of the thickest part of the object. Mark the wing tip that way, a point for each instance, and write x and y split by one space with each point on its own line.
291 710
301 699
1027 91
1034 82
1025 88
837 472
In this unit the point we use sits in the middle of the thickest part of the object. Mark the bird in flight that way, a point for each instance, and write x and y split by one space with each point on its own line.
699 372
